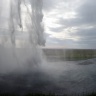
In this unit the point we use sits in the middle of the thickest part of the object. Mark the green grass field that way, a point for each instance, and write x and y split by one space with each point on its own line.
70 54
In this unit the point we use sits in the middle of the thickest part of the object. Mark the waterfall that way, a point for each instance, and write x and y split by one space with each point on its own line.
22 17
21 32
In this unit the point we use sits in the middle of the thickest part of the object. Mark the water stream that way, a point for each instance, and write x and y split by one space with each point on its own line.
21 34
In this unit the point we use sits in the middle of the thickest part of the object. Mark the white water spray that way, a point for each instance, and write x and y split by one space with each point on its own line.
21 32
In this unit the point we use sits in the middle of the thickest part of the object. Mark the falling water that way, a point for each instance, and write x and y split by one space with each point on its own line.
21 33
31 21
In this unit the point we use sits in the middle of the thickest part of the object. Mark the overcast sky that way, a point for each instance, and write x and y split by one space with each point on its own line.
70 23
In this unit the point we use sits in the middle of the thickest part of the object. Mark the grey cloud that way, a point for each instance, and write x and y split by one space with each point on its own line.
87 37
87 11
68 43
59 41
85 15
85 33
53 4
57 29
46 35
49 4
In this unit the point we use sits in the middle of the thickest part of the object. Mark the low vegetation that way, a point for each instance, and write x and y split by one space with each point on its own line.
70 54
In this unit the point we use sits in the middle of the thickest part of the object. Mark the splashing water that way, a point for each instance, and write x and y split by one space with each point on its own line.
33 19
20 26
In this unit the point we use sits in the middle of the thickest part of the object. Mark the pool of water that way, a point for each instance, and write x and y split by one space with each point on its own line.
62 77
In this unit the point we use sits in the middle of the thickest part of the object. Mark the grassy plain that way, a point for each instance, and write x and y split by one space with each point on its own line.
69 54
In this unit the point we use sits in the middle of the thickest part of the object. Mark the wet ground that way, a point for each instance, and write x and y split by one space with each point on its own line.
69 77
